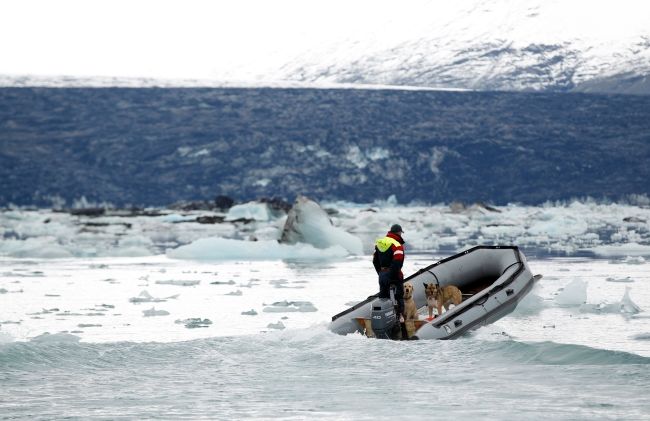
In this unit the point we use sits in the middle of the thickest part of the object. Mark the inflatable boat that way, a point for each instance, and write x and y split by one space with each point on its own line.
492 280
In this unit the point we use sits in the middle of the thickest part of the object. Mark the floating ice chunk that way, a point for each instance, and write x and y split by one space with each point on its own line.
227 249
250 284
231 282
179 283
251 210
642 337
153 312
235 293
574 294
624 306
619 250
558 224
627 305
279 325
40 247
3 291
283 283
250 312
290 306
175 217
194 322
531 304
308 223
131 251
45 311
84 325
627 279
638 260
145 297
56 338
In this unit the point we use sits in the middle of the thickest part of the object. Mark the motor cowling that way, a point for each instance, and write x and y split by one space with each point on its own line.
383 318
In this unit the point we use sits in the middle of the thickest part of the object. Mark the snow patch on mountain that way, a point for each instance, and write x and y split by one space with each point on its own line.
578 45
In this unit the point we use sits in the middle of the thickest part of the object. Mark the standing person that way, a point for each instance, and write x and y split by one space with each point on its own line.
388 259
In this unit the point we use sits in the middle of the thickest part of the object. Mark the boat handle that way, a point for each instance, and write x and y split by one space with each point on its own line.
509 292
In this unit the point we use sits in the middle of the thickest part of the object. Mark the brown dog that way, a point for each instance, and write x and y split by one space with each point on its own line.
439 297
410 309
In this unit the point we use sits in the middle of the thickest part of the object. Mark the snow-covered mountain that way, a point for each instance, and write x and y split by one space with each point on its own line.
540 45
597 46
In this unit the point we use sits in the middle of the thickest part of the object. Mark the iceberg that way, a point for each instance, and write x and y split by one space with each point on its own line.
251 210
308 223
574 294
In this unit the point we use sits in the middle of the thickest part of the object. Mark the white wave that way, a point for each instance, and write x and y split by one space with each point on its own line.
56 338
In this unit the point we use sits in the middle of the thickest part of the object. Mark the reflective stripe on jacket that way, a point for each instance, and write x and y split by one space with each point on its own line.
389 254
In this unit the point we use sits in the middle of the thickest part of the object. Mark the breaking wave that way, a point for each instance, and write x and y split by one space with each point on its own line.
301 344
551 353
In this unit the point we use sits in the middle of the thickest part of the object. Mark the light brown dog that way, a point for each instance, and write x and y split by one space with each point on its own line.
410 309
439 297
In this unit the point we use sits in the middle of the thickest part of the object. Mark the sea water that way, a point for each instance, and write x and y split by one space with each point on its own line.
127 338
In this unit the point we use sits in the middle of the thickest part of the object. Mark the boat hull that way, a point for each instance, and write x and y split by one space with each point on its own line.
494 278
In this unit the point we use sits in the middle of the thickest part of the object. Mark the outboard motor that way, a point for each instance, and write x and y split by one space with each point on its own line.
383 318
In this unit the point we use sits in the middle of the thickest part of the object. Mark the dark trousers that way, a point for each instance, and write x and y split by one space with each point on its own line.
385 281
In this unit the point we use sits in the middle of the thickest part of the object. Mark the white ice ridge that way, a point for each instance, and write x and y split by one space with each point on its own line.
229 249
605 229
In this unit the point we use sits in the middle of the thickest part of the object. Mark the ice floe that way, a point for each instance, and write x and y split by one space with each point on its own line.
627 279
622 250
145 297
624 306
250 211
231 282
602 229
236 293
279 325
289 306
152 312
194 322
179 283
283 283
229 249
573 294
